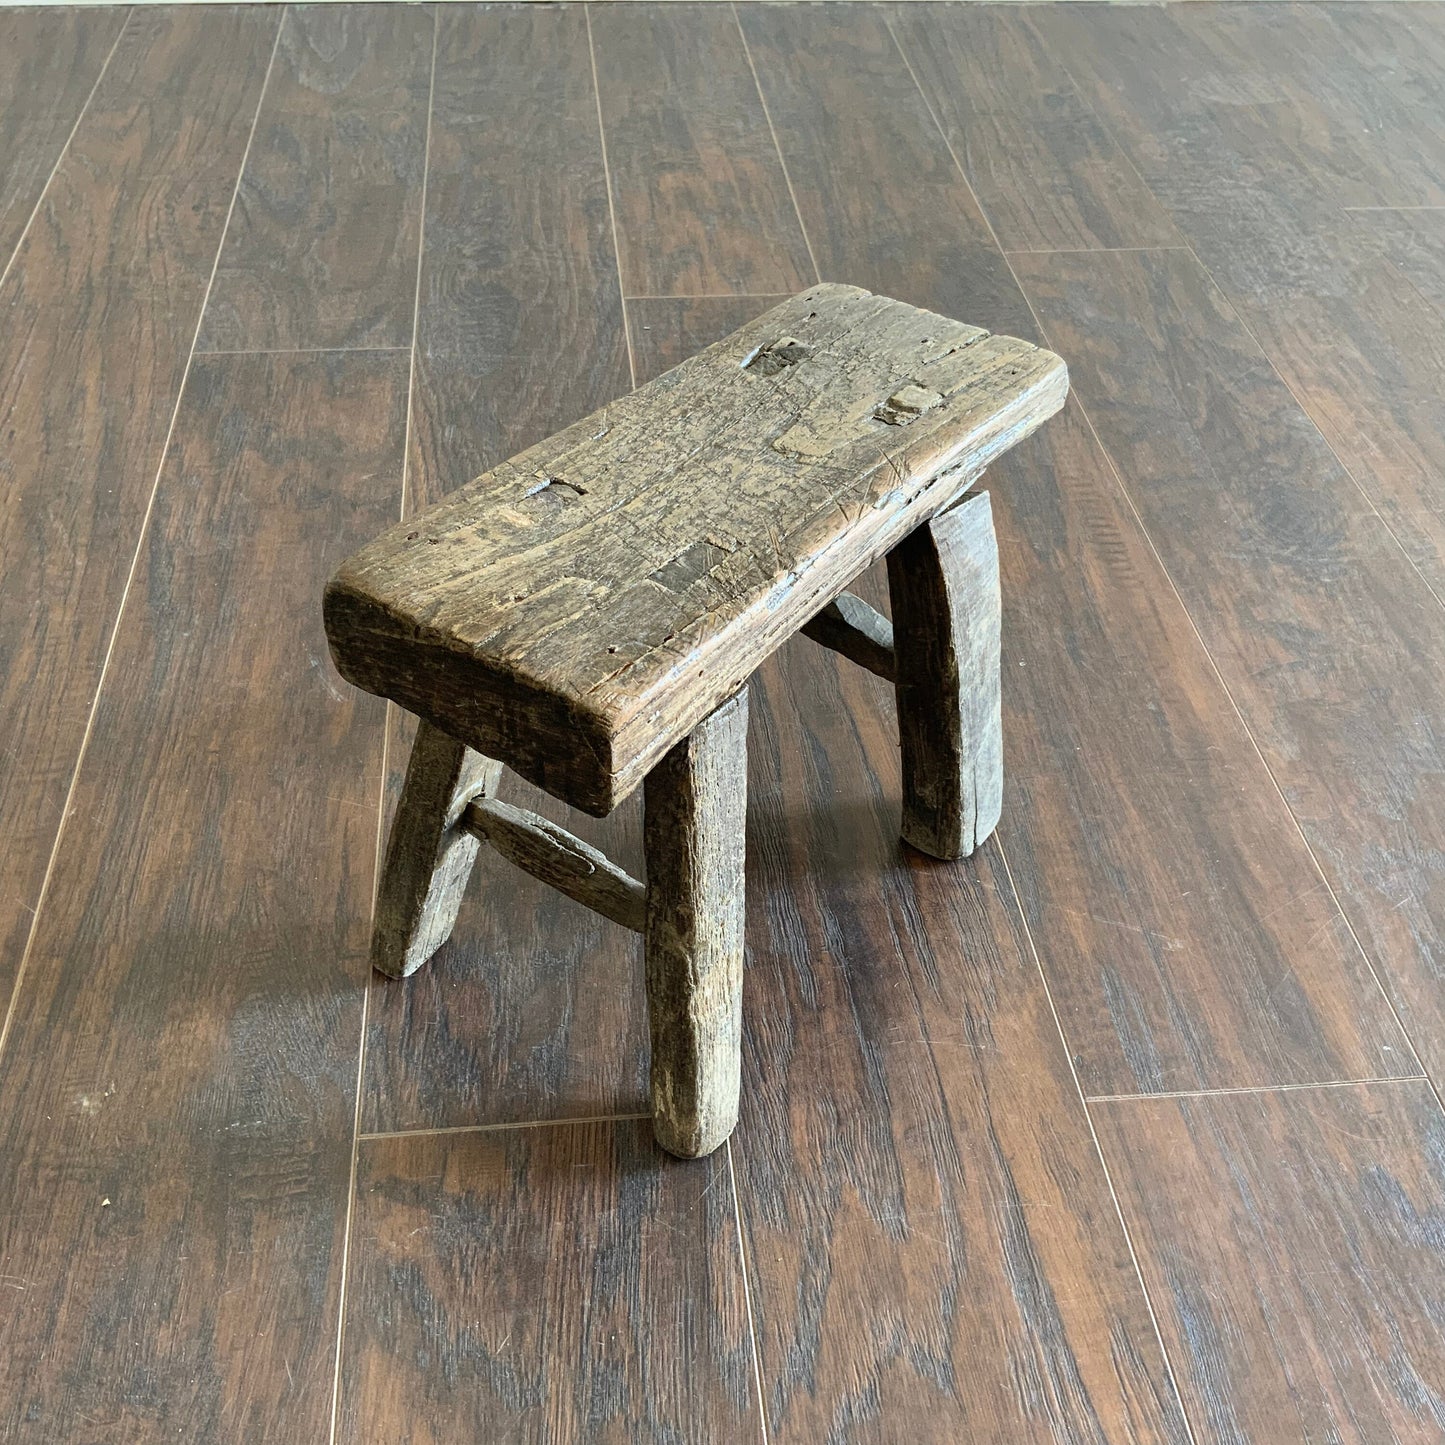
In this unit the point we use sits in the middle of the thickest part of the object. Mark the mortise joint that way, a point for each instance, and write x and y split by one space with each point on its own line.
772 358
908 403
550 481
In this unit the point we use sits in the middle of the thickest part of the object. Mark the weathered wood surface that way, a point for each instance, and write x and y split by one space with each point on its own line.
854 628
1291 1244
580 608
556 1286
429 855
944 589
559 859
321 250
695 807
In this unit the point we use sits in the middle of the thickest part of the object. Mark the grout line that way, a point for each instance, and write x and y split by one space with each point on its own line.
748 1297
777 146
1084 250
1013 887
1392 208
134 563
384 1134
1084 1102
381 796
1256 1089
717 296
291 350
611 209
65 149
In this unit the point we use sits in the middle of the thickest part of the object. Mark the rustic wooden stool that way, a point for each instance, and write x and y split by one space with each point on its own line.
589 613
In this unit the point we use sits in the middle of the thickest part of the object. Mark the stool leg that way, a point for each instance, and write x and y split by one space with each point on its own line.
428 858
696 805
943 582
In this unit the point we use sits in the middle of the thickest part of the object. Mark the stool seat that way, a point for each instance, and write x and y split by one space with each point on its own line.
580 609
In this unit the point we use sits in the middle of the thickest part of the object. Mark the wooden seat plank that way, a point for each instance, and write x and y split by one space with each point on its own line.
578 609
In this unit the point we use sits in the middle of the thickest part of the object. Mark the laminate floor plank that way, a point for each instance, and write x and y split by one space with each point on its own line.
1044 168
956 1269
531 1011
321 251
1256 190
1414 241
100 311
545 1285
1328 642
692 158
49 63
880 199
179 1079
1292 1243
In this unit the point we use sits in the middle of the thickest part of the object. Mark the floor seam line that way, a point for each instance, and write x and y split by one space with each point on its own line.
380 1135
65 148
611 205
387 712
1164 1354
142 535
777 147
1226 1090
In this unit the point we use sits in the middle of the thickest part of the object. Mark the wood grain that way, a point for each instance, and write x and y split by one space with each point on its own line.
321 251
100 310
1415 242
179 1076
560 859
695 815
535 1008
1291 1242
1322 630
521 328
544 1286
955 1270
692 159
880 199
577 610
944 588
1341 324
1042 165
52 58
429 851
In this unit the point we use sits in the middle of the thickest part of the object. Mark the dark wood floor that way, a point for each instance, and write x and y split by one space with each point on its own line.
1126 1130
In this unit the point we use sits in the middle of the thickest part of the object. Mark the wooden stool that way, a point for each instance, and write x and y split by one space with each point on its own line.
589 613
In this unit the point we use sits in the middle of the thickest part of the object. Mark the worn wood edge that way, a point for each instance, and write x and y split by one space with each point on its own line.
944 584
862 634
429 856
694 822
505 713
560 859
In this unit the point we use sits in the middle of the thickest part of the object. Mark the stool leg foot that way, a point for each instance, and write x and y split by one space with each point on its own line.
943 582
428 858
696 806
